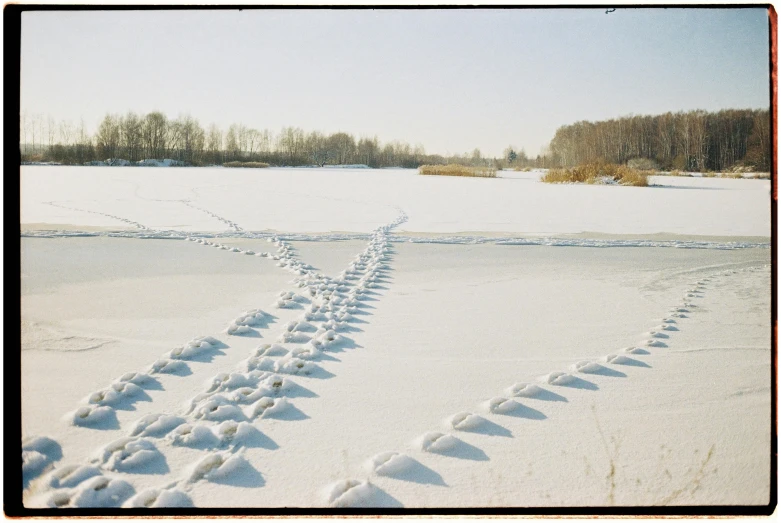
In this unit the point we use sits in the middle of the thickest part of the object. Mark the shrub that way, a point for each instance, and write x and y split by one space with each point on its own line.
676 172
598 172
251 165
458 170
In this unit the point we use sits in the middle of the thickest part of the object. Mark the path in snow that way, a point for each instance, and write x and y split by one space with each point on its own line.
219 419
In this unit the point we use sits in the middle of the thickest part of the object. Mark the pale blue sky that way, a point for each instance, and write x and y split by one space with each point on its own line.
451 80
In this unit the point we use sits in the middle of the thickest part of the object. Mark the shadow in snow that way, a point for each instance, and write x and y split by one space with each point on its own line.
320 373
377 499
208 357
157 465
291 413
180 369
604 371
151 384
128 403
489 428
634 363
256 439
580 383
417 472
522 411
108 422
294 390
363 298
463 450
364 305
548 395
244 476
253 333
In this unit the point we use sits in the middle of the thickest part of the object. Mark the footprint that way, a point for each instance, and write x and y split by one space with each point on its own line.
299 326
252 317
558 378
159 498
436 442
266 406
310 351
167 366
99 491
248 395
500 405
127 453
655 343
586 367
114 393
293 337
235 329
617 359
217 408
187 435
137 378
465 421
294 366
525 390
37 453
85 416
33 461
224 381
233 432
70 475
214 466
389 463
348 492
656 334
155 425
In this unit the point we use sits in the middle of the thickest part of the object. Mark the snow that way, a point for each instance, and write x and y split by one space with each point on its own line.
405 341
348 200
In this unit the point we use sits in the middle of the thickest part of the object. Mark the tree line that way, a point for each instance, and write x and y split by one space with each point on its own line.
693 140
136 137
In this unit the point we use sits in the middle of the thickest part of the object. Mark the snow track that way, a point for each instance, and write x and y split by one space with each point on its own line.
520 395
219 420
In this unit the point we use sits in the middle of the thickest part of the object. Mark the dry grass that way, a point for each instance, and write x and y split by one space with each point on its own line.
458 170
597 172
250 165
676 172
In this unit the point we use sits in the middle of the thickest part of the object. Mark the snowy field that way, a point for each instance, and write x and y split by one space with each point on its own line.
374 338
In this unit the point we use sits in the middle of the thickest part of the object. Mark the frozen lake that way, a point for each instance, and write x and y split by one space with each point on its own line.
358 200
423 357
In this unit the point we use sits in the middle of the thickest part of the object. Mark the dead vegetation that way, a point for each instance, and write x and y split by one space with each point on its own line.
598 173
457 170
248 165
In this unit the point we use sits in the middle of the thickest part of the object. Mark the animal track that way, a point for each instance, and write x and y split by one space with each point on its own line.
526 390
436 442
127 453
348 492
389 463
558 378
465 421
159 498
